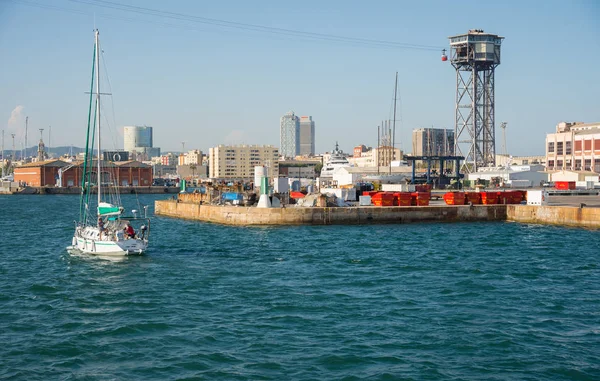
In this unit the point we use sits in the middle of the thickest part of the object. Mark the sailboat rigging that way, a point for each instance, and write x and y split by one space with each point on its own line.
108 232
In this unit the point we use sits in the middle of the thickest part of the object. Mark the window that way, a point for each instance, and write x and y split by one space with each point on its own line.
578 146
550 164
597 165
559 148
578 165
588 165
559 163
551 147
587 145
568 148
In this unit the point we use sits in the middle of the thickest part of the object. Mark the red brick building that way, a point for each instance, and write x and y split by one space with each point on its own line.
133 173
39 174
63 174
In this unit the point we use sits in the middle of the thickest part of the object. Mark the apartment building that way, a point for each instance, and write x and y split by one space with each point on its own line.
575 146
238 162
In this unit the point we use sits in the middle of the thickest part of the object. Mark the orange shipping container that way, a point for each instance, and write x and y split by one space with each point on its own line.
489 198
420 198
454 198
402 199
564 185
473 198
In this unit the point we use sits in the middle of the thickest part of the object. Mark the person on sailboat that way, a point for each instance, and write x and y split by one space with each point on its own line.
100 226
129 232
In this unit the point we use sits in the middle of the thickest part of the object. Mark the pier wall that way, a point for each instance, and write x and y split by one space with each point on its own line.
27 190
234 215
555 215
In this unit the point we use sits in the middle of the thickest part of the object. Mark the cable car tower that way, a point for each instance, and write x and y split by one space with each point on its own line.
475 55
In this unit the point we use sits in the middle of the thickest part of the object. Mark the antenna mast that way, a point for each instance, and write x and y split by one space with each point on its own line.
394 122
26 123
14 155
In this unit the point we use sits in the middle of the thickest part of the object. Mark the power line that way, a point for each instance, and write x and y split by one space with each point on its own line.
224 24
244 26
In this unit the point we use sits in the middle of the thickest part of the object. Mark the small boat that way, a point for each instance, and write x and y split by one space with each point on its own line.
107 232
337 160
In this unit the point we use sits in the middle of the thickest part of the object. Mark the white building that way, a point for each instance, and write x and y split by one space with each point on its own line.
515 175
138 141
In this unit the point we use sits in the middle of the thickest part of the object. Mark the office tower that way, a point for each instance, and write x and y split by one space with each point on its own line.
289 135
307 136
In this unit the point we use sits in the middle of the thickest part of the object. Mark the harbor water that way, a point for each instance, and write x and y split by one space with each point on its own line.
462 301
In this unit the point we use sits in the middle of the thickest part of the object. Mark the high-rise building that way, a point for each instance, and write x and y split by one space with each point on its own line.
238 162
307 136
136 137
289 135
433 142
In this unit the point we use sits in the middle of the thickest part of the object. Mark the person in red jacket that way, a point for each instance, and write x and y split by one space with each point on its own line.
129 232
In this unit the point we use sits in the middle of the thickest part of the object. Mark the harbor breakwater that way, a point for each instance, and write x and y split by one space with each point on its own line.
361 215
239 215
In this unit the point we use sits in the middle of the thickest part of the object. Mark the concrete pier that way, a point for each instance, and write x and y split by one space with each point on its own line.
238 215
577 211
585 216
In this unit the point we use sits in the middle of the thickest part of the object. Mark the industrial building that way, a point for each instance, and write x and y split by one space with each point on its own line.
521 176
63 174
304 169
238 162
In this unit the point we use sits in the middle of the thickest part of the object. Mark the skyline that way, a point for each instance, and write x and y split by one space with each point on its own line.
209 84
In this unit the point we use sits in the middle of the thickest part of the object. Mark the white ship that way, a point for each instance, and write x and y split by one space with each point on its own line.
337 160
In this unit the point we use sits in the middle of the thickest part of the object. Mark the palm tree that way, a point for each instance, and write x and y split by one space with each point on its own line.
193 168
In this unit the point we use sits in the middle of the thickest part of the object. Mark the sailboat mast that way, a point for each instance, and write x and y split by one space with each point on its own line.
99 179
394 122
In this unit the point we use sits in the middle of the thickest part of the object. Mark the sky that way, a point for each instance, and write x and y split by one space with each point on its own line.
223 72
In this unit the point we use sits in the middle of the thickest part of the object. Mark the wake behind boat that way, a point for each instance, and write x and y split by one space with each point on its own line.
108 231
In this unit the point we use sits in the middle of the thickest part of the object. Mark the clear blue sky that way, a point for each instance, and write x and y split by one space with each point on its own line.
207 84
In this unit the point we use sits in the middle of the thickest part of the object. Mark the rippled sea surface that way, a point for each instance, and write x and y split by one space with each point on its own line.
472 301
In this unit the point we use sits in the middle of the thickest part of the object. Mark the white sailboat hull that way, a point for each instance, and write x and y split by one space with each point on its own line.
86 241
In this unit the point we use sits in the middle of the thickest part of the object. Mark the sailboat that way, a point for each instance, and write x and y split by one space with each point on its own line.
107 231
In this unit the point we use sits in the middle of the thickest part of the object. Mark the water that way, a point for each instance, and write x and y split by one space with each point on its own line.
493 301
